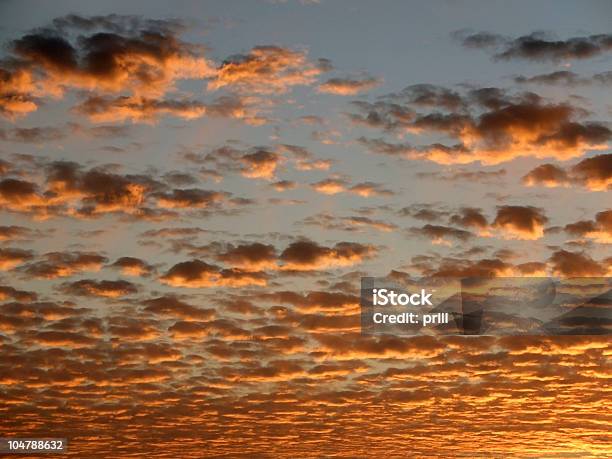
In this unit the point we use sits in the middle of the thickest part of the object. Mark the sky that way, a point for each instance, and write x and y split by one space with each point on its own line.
191 193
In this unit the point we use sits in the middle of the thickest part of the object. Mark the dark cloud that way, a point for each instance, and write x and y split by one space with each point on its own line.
353 223
424 212
198 274
64 264
563 77
191 198
428 95
520 222
103 288
171 306
492 126
547 175
106 54
253 257
458 268
17 295
594 173
440 235
138 109
308 255
477 40
576 264
599 229
11 257
284 185
14 232
132 266
539 47
464 175
470 217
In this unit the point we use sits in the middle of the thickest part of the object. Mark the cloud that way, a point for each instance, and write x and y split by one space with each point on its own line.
331 186
284 185
249 109
103 288
11 257
491 126
308 255
348 86
577 264
548 175
367 189
351 223
439 234
16 87
14 232
257 162
138 109
538 47
304 159
18 295
64 264
429 95
266 70
260 164
251 257
148 58
459 268
19 195
470 217
96 191
144 59
477 40
593 173
520 222
172 307
424 212
564 77
315 301
599 229
464 175
131 266
198 274
191 198
337 184
350 346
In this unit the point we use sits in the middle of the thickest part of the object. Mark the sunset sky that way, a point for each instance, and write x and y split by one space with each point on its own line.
190 193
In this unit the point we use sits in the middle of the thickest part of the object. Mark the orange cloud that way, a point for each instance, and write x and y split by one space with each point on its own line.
10 257
577 264
520 222
251 257
104 288
307 255
348 86
138 109
492 127
599 229
266 70
146 60
64 264
198 274
593 173
131 266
